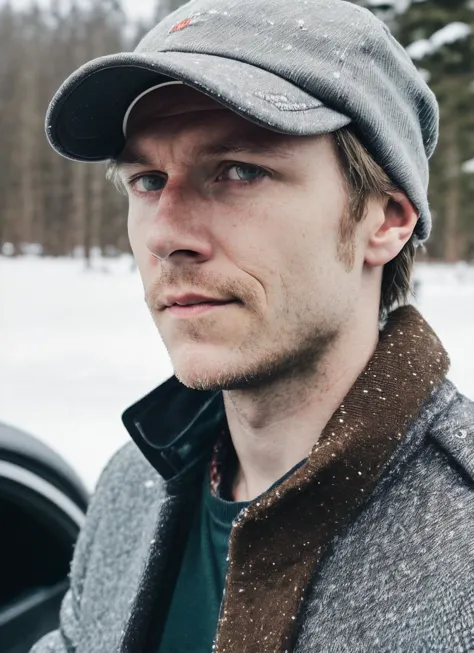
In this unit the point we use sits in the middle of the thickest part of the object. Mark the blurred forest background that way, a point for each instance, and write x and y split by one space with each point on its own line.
55 207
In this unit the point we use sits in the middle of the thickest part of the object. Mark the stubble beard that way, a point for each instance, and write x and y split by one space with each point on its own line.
298 361
293 354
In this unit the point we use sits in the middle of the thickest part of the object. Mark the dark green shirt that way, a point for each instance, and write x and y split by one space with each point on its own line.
194 611
193 616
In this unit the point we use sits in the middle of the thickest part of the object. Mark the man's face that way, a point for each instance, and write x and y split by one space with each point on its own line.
223 209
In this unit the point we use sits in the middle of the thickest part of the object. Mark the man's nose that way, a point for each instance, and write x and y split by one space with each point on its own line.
179 228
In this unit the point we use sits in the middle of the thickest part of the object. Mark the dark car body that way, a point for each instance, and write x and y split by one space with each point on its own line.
42 508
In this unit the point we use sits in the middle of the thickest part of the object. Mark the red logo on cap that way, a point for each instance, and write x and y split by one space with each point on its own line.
181 25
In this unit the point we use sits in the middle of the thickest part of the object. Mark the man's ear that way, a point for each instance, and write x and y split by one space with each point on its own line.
391 231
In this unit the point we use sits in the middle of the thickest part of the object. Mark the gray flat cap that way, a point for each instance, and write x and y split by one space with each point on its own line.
300 67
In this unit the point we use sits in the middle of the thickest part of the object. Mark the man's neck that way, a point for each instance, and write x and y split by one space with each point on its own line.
275 428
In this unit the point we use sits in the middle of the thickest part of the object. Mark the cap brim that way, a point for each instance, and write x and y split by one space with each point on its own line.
85 118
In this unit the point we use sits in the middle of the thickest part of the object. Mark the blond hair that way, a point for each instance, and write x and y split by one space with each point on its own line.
112 175
366 179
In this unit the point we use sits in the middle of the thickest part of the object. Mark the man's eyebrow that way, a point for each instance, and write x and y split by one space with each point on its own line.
266 146
132 157
246 144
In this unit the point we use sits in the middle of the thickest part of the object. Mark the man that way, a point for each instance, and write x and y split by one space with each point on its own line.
304 481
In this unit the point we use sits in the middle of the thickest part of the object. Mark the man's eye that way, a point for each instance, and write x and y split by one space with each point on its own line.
243 172
149 183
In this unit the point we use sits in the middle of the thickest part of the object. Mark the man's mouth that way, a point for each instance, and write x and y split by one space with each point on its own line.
197 308
188 300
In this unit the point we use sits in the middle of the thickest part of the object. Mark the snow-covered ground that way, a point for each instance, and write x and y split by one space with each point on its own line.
77 347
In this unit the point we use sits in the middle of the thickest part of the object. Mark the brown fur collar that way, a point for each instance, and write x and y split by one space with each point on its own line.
275 547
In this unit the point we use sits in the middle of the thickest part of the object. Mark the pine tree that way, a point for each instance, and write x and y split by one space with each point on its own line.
439 36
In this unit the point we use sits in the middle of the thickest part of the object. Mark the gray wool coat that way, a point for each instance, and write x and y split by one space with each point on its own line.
399 579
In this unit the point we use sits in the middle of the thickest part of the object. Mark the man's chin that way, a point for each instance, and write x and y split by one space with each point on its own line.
202 377
222 374
207 372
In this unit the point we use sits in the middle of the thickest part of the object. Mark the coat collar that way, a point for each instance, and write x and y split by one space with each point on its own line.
175 427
